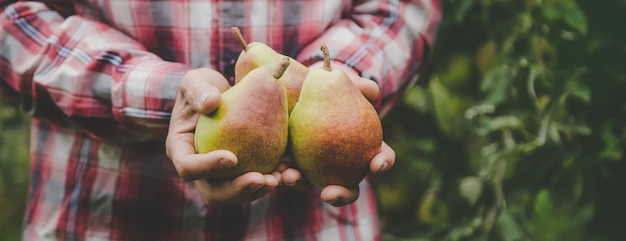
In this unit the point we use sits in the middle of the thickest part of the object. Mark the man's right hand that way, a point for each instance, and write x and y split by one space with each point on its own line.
200 93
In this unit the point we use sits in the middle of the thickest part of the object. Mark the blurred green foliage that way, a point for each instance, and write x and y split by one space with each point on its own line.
14 144
515 132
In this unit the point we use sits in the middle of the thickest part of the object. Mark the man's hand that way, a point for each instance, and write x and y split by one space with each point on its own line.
337 195
200 93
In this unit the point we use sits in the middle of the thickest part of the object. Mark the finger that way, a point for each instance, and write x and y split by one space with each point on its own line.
368 87
233 191
337 195
198 166
384 160
278 176
210 76
291 176
245 188
282 167
254 191
294 179
202 97
180 137
202 89
181 150
271 182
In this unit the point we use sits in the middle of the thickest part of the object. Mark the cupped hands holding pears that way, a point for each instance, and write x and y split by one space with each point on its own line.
231 140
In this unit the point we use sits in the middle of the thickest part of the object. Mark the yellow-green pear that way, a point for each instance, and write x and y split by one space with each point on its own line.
255 54
334 130
251 121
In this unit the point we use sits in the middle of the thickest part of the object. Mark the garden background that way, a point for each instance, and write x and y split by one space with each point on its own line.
516 130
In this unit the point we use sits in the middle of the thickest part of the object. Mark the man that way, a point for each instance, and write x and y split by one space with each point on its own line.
115 88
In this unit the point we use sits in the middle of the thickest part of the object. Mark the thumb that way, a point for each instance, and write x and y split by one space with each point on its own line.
202 88
368 87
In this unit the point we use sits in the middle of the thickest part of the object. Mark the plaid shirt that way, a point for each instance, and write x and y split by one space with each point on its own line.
99 77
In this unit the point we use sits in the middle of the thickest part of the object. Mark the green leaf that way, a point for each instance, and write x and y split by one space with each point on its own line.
568 12
449 109
463 7
504 122
573 129
427 145
613 145
581 92
524 22
417 98
543 202
509 227
471 188
496 85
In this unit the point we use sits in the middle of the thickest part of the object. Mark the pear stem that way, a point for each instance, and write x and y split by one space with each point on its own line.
239 37
327 66
281 67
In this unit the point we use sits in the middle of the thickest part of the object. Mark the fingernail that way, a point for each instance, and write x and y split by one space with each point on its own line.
335 202
225 163
293 184
254 187
205 96
383 167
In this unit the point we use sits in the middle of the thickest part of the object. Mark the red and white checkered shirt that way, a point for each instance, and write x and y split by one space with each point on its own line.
99 77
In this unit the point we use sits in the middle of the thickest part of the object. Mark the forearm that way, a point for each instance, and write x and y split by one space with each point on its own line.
386 41
81 72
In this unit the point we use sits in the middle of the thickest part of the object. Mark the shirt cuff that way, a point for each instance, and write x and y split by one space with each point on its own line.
147 91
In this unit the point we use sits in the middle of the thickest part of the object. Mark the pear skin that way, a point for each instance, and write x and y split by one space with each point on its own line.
251 122
256 54
334 130
292 81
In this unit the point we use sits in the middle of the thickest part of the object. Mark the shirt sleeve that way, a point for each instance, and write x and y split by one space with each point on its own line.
386 41
82 73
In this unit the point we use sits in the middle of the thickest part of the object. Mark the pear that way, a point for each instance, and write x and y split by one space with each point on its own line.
251 121
257 54
334 130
